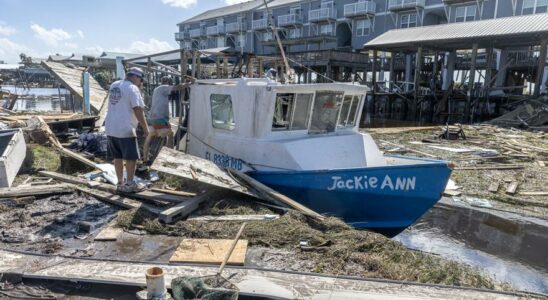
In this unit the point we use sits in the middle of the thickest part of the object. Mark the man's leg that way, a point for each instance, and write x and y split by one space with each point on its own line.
119 167
130 169
169 143
146 147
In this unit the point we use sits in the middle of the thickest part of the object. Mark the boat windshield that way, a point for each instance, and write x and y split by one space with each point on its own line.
325 111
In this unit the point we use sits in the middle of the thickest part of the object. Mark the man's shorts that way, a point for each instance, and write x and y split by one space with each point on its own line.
122 148
159 127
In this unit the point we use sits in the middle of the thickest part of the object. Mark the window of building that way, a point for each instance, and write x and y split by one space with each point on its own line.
325 111
222 114
465 13
326 29
408 20
267 36
220 42
534 7
294 33
363 27
296 10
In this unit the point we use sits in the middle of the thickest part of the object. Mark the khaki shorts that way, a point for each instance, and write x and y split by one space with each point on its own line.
161 132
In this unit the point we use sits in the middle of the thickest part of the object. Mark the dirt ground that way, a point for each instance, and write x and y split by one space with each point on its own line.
524 149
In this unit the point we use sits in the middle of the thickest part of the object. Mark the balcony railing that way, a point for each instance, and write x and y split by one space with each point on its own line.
259 24
396 5
290 20
180 36
194 33
327 55
234 27
523 57
322 14
360 9
215 30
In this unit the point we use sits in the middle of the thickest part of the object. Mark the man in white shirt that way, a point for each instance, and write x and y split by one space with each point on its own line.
125 112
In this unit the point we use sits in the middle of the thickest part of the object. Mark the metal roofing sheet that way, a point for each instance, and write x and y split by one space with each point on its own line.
530 24
276 3
225 11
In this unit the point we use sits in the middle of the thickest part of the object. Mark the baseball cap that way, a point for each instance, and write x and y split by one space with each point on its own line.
136 72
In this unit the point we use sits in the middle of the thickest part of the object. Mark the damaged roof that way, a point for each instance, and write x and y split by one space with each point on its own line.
513 30
225 11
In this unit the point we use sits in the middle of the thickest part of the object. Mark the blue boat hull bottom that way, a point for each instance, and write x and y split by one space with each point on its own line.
384 199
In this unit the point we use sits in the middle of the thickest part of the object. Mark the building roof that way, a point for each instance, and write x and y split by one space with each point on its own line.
175 57
225 11
276 3
113 55
520 30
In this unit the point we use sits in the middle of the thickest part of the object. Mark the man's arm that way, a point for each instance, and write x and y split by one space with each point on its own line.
140 115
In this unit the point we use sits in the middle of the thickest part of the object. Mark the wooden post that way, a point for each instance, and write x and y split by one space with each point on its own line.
488 76
218 70
194 58
418 66
541 65
374 74
225 67
435 71
184 65
249 67
198 66
261 68
391 71
149 77
471 80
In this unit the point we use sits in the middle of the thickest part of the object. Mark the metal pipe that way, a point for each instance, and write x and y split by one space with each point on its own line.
156 286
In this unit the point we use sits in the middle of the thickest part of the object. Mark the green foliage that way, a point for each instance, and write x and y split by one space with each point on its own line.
104 79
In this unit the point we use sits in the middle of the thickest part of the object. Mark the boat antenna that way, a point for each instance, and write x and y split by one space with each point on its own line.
290 73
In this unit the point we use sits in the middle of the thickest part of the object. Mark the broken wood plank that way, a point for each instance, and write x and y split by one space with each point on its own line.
173 192
541 163
512 187
269 194
109 197
501 167
191 167
208 251
143 195
184 209
494 187
409 149
109 233
35 190
533 193
234 218
452 193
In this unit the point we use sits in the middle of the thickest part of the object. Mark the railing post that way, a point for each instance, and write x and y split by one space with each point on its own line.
471 81
540 70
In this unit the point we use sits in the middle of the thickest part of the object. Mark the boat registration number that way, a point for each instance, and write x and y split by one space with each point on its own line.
224 161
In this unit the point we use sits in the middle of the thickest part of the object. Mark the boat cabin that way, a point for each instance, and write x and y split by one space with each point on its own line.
259 124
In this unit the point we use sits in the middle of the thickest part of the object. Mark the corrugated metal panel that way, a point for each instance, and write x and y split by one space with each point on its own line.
225 11
276 3
529 24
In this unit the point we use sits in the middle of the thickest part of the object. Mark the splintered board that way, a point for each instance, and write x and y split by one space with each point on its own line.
109 234
204 251
191 167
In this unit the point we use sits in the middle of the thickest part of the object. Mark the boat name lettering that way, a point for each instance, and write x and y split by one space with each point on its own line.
224 161
365 182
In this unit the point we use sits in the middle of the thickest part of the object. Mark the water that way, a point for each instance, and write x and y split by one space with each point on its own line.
506 246
43 99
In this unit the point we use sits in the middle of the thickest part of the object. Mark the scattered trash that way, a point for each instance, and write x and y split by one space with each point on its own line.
92 142
474 201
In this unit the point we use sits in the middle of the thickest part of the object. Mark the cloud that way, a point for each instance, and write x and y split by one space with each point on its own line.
51 37
6 30
9 51
80 33
180 3
95 50
150 46
230 2
71 46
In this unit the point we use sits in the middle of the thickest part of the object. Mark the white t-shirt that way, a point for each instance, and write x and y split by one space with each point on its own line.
159 109
120 121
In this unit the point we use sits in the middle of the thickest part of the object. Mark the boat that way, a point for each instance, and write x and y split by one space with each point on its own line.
303 140
13 149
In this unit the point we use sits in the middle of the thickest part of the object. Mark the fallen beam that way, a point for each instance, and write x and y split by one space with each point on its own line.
36 190
274 196
144 195
533 193
502 167
184 209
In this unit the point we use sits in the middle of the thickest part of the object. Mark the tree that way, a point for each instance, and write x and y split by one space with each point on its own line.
104 79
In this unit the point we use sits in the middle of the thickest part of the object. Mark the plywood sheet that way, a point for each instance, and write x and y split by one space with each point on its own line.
109 234
209 251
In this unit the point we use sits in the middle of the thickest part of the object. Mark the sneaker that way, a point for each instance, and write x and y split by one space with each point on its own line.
131 187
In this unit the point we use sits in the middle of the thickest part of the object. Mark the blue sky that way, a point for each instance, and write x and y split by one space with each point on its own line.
42 27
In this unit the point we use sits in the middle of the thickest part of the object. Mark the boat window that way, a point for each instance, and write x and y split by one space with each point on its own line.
325 112
345 109
222 114
283 111
301 112
353 111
